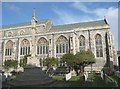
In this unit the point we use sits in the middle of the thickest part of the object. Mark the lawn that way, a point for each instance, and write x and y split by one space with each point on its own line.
59 78
93 81
62 78
116 79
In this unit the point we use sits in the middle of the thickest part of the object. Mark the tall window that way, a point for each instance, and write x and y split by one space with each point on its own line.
8 48
99 50
81 43
62 45
25 47
42 46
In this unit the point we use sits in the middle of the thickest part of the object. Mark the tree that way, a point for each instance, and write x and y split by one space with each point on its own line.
11 64
84 58
49 62
7 64
15 64
70 59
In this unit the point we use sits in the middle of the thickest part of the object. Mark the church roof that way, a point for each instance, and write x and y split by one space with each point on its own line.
23 24
80 25
62 27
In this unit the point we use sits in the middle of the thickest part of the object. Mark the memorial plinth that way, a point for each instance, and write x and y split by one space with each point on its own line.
32 76
33 61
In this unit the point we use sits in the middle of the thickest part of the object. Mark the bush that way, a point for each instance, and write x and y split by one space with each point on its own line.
10 64
13 77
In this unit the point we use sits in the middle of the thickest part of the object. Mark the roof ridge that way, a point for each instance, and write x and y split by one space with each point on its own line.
78 23
23 22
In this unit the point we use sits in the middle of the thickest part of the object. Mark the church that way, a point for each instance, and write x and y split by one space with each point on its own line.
42 39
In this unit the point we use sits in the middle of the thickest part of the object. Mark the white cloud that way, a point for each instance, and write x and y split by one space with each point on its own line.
110 13
66 17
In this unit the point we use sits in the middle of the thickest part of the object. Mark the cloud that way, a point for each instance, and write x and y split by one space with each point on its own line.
66 17
110 13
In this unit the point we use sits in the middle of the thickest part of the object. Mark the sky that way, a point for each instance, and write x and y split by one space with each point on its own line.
62 13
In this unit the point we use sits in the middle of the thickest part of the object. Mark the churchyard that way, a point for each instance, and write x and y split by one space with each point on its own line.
70 74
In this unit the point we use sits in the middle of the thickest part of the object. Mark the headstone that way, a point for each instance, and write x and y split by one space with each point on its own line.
102 74
85 77
87 74
68 76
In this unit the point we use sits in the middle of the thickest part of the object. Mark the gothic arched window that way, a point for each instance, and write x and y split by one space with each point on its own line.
8 48
9 34
42 46
62 45
21 32
98 42
81 43
25 47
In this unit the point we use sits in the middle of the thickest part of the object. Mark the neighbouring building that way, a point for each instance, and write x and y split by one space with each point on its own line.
54 41
118 59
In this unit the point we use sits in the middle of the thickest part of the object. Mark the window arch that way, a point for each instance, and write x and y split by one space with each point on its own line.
81 43
98 42
21 32
25 47
9 34
62 45
9 48
42 46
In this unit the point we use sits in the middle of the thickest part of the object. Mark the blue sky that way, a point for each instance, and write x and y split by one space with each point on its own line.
62 13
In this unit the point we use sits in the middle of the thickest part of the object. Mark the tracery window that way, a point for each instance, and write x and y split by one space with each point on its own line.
62 45
42 46
99 50
21 32
25 47
81 43
9 34
8 48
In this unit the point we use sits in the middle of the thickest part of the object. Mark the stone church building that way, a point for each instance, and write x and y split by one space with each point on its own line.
17 40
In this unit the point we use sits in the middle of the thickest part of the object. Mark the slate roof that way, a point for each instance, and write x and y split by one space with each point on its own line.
23 24
80 25
63 27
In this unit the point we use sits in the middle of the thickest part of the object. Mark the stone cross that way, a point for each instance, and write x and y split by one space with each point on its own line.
33 60
33 22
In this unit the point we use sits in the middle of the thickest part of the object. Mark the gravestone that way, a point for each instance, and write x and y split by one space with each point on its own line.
85 77
102 75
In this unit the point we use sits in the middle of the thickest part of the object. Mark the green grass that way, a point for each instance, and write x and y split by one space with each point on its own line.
59 78
13 77
116 79
77 81
75 78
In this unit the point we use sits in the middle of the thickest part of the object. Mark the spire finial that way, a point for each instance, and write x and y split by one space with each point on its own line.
34 12
104 17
